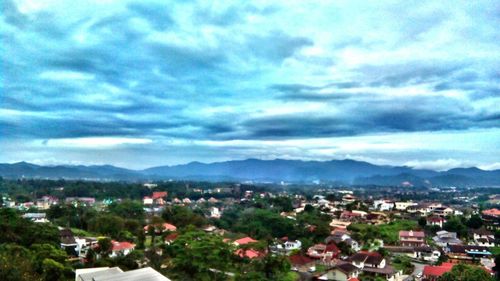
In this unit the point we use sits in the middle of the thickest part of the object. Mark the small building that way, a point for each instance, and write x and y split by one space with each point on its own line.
36 217
466 253
244 241
402 206
146 200
302 263
286 247
161 228
443 211
436 221
433 272
444 238
121 248
249 253
325 252
115 274
483 237
412 238
342 271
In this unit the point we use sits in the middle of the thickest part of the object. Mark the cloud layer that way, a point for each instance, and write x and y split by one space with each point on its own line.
169 82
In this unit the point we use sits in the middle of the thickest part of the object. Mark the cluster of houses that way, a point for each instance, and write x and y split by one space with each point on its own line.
335 264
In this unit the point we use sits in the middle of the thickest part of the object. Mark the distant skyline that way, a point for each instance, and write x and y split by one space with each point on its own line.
138 84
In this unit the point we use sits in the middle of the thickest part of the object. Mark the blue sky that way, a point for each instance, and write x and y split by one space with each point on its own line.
140 83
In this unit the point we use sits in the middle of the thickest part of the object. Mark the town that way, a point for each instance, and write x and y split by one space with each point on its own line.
187 230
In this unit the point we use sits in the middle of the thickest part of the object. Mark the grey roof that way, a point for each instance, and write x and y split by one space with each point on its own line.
91 276
116 274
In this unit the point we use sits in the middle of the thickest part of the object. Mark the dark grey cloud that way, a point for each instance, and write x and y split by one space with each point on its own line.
231 71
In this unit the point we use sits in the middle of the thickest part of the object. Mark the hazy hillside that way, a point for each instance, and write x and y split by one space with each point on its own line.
347 171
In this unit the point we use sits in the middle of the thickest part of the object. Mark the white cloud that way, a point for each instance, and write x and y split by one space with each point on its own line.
96 142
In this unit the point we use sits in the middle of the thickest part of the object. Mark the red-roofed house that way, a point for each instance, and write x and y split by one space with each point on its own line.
411 238
436 220
323 252
248 253
302 263
169 239
432 273
164 227
121 248
159 194
244 241
492 212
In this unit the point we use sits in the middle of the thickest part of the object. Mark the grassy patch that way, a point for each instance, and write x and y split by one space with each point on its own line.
389 233
495 250
292 276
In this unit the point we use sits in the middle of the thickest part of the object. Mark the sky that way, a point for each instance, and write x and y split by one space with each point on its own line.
143 83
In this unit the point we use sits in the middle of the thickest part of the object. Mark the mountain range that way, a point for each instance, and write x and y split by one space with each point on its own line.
255 170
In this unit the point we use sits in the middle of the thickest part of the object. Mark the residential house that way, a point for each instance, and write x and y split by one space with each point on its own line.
244 241
339 236
121 248
68 242
435 221
466 253
352 216
325 252
383 205
412 238
442 211
302 263
426 253
215 212
374 264
116 274
249 253
483 237
161 228
444 238
159 197
348 198
36 217
286 247
402 206
85 201
169 239
342 271
364 259
84 244
433 272
212 200
46 202
146 200
186 201
491 218
339 224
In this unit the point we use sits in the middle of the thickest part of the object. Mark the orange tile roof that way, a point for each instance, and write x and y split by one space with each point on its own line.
439 270
245 240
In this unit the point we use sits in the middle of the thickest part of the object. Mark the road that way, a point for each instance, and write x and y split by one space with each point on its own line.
419 267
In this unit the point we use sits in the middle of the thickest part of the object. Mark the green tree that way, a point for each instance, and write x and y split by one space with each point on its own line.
127 209
463 272
422 222
15 264
475 222
52 270
107 224
105 246
199 256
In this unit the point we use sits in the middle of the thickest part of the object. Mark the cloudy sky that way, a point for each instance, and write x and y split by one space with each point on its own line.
139 84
